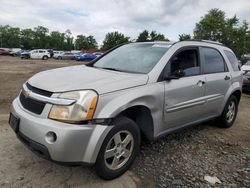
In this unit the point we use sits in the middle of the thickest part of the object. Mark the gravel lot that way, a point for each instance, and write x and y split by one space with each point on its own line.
178 160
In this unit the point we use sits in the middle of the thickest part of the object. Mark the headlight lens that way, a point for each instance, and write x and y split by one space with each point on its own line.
83 109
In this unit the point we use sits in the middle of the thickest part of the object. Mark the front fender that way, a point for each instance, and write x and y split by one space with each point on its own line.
150 96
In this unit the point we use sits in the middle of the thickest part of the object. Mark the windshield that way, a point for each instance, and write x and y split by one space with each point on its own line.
133 58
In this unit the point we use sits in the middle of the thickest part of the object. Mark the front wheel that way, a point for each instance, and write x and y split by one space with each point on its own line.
45 57
119 149
229 113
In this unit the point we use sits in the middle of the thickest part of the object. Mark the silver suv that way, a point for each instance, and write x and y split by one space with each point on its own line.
96 113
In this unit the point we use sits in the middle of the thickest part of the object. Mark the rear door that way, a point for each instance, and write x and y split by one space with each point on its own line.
218 79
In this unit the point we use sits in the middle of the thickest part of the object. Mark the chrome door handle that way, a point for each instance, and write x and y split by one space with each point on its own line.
227 77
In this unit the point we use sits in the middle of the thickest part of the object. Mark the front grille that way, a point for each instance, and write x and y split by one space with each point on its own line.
31 104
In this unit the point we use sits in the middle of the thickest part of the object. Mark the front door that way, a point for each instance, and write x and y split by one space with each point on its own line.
184 97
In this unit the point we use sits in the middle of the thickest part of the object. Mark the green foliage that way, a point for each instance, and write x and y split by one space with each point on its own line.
39 37
85 43
113 39
229 31
183 37
144 36
9 36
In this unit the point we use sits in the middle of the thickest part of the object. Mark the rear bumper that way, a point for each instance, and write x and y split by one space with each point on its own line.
74 144
246 85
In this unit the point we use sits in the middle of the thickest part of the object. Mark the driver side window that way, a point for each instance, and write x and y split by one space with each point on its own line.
185 63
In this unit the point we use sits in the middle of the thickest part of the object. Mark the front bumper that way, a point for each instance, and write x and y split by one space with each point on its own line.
74 144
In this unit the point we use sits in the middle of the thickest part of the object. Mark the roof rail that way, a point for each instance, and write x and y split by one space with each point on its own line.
207 41
210 41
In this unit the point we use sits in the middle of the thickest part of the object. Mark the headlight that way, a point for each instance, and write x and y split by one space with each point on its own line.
83 109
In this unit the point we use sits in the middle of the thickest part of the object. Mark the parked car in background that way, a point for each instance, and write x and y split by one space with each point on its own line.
40 54
4 51
57 54
246 81
25 54
17 54
67 55
15 51
244 58
97 113
98 54
85 57
246 67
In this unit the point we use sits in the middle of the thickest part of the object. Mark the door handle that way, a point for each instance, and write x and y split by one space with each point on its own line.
201 82
227 77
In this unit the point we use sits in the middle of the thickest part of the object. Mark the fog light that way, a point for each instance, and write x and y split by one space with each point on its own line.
51 137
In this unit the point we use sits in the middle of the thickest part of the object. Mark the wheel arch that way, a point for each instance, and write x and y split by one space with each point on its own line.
237 94
142 116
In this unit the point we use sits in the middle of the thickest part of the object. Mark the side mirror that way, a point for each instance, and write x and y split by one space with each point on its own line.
176 75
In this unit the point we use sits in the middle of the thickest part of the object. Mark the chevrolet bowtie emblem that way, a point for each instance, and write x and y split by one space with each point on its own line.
26 93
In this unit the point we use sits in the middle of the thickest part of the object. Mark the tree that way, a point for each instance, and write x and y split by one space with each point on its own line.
143 36
229 31
183 37
69 45
27 38
113 39
157 36
85 43
10 36
56 40
41 37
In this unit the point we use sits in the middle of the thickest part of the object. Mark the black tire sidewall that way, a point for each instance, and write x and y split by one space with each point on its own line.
120 123
223 119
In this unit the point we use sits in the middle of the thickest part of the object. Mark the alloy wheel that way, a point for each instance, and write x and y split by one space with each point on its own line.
119 150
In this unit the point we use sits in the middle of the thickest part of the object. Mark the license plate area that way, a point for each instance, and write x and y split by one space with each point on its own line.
14 122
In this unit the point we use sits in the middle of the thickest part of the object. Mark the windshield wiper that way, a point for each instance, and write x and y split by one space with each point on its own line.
107 68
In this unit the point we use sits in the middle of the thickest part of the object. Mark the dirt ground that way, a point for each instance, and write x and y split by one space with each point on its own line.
177 160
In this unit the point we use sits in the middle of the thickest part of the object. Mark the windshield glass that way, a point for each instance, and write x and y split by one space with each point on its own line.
133 58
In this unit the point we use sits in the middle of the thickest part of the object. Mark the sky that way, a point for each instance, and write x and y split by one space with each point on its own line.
130 17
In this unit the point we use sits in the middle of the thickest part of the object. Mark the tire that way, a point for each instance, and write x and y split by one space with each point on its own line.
60 58
229 113
122 154
45 57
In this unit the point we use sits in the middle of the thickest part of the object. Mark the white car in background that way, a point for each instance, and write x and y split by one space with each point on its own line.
57 54
39 54
246 67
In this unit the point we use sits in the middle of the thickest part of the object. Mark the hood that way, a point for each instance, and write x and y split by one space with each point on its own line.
83 77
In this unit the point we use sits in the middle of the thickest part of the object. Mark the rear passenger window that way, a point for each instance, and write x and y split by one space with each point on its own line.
214 62
233 60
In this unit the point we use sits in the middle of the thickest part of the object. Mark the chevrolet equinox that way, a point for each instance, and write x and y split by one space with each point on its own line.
96 113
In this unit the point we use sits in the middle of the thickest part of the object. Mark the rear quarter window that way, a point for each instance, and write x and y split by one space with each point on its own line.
233 60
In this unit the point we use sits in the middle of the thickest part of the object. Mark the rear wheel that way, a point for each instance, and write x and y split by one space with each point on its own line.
229 113
119 149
